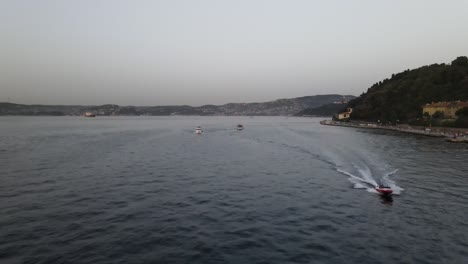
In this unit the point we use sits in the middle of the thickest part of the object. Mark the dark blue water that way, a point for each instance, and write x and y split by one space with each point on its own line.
284 190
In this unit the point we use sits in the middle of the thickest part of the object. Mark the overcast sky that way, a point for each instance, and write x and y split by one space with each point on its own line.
213 51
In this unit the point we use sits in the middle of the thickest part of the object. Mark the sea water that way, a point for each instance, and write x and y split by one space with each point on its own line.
283 190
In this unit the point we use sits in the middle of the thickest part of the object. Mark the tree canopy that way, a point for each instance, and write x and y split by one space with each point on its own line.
462 112
402 96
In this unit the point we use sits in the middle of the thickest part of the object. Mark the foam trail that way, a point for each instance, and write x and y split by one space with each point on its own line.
359 183
364 168
351 175
367 175
389 182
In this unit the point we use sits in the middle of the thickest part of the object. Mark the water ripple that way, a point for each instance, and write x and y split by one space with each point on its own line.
146 190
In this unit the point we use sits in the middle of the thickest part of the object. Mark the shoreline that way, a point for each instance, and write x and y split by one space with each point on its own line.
450 134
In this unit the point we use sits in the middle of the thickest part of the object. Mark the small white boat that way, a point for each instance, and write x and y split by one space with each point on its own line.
240 127
198 130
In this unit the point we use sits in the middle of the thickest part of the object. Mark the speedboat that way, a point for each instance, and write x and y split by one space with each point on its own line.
240 127
385 190
198 130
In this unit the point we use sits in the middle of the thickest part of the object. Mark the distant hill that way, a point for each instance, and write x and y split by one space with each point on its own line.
327 110
272 108
401 96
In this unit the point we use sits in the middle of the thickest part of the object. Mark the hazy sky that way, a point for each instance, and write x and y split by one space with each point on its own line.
213 51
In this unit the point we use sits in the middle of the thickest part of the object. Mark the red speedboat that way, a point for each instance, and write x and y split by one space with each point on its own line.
384 190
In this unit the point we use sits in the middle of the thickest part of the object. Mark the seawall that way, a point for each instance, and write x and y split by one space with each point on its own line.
459 135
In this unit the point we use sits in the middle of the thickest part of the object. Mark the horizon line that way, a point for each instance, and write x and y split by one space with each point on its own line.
257 102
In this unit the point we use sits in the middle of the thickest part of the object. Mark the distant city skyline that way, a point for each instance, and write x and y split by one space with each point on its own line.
214 52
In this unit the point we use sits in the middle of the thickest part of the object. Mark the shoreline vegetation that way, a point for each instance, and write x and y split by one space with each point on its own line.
426 96
455 135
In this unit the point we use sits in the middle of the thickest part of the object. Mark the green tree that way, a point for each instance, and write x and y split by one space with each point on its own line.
438 115
460 61
405 93
462 112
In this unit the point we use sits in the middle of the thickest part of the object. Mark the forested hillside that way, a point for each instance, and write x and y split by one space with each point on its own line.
324 110
401 97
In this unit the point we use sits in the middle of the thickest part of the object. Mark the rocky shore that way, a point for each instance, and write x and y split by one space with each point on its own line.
455 135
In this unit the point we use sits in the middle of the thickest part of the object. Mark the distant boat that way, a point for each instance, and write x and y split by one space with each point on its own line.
198 130
240 127
89 114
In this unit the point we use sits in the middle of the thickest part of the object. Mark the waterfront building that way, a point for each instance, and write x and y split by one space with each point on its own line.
345 115
449 109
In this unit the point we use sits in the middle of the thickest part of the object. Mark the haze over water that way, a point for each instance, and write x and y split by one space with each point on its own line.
284 190
181 52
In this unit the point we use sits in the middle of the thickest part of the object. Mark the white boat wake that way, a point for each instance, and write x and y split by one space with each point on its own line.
365 180
365 169
390 183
